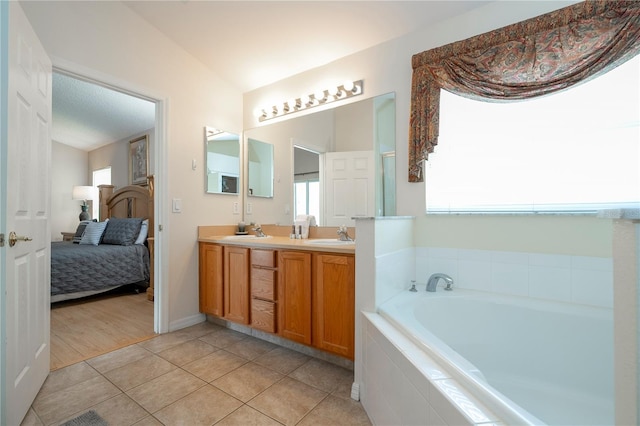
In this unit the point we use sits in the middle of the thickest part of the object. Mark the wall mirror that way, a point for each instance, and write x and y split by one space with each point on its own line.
222 150
309 148
259 169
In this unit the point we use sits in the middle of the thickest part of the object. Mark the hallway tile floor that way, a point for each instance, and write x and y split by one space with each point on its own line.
202 375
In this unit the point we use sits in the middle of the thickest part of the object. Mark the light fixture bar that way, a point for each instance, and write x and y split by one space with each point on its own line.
321 97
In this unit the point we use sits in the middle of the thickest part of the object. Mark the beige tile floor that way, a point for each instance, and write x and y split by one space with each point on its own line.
202 375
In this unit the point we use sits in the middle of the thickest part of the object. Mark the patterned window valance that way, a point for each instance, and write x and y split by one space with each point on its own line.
532 58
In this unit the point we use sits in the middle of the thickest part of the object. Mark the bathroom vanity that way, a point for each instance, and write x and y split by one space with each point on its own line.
300 290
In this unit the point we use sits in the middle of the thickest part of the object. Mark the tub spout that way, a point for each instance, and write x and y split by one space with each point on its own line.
433 281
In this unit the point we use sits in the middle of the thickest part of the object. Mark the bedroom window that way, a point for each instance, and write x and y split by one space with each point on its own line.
100 177
579 151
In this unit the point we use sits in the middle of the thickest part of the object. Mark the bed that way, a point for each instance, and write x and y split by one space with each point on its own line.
113 252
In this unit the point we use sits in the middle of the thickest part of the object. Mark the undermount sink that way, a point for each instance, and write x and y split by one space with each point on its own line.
329 241
245 237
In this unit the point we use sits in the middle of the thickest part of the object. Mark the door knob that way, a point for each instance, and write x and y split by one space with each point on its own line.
13 239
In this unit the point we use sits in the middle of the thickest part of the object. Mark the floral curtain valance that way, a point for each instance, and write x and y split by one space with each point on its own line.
532 58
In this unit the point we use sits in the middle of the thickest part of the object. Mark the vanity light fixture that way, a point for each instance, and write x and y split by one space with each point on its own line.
320 97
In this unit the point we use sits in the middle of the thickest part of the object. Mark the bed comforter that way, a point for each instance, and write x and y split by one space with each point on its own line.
79 270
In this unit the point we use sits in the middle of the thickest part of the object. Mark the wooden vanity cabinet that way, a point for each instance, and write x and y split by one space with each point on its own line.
294 296
334 303
211 279
263 289
236 284
306 297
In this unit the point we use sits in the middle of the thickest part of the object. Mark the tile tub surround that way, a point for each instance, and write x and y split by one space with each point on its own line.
204 374
572 279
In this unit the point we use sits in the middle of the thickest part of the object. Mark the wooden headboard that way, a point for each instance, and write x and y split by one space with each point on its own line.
128 201
131 201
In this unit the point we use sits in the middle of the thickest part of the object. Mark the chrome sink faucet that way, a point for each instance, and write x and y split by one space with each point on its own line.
343 234
258 230
433 281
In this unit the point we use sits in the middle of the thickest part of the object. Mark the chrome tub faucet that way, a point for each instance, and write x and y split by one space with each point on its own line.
433 281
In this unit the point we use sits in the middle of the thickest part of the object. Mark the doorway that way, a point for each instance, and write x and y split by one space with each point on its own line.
113 154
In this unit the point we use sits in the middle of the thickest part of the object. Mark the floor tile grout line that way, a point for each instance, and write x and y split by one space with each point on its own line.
313 408
247 360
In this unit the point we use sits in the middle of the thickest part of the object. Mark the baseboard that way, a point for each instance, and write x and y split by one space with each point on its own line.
285 343
355 391
187 322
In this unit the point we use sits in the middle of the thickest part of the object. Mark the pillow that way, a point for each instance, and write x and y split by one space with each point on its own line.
122 231
93 233
144 231
80 230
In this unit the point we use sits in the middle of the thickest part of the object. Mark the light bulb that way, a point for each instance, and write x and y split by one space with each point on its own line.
348 86
293 104
320 96
305 100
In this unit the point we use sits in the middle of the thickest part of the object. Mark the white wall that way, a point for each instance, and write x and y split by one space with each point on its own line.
108 42
68 169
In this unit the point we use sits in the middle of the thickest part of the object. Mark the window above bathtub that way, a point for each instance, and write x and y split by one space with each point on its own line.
576 151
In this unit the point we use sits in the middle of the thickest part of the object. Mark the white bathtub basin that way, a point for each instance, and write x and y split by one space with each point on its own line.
329 241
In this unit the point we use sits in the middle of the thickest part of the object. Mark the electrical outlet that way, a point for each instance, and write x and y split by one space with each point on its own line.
249 208
236 208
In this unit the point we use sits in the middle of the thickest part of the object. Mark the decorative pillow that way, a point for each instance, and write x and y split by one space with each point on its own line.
93 232
144 231
122 232
80 230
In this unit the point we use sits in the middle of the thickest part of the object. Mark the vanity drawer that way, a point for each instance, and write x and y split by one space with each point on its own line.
263 283
263 315
263 258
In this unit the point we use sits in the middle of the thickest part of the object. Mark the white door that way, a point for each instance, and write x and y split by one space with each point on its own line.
349 187
27 263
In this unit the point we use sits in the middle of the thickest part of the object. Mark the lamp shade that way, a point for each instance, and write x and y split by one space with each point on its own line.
83 193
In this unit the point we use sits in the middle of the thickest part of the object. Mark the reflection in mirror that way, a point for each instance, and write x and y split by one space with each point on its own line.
389 183
306 182
223 161
356 135
260 169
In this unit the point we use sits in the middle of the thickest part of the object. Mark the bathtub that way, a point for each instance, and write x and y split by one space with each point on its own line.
528 361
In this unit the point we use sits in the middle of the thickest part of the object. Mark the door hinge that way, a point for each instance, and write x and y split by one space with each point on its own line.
1 240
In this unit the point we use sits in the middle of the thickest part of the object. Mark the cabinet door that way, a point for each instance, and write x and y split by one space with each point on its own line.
334 303
236 284
210 279
294 296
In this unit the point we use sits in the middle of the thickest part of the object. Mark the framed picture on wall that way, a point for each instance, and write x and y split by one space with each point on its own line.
138 161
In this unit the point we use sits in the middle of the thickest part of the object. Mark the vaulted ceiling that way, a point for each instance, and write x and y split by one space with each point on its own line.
247 43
